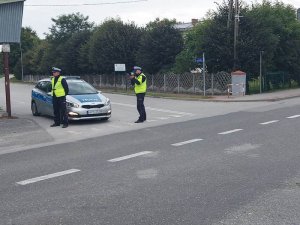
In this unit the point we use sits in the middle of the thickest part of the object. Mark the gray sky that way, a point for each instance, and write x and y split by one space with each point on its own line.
39 18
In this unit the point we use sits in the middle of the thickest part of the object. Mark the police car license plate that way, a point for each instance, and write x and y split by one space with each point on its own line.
93 111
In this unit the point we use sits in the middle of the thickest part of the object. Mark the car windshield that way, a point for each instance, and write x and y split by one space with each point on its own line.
79 87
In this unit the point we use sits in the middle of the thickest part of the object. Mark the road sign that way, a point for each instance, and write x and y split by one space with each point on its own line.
120 68
199 60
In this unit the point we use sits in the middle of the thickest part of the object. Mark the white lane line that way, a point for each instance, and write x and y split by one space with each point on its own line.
162 118
176 116
49 176
231 131
154 109
293 117
129 156
269 122
186 142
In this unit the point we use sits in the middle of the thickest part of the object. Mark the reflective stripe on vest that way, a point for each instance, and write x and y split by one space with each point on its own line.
142 87
58 89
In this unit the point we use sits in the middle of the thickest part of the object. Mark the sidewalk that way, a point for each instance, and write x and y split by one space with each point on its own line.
273 96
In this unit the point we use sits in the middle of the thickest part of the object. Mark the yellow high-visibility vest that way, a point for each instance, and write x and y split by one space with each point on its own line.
58 89
142 87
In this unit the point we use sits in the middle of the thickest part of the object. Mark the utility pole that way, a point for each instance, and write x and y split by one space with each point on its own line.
236 31
204 75
6 50
230 9
260 70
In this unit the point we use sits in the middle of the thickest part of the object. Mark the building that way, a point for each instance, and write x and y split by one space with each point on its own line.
184 27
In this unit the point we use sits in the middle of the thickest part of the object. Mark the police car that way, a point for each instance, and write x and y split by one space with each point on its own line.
83 101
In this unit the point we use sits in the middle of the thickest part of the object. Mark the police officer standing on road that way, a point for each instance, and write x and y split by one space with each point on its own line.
59 91
139 80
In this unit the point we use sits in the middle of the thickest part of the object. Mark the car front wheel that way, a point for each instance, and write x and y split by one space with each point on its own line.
34 109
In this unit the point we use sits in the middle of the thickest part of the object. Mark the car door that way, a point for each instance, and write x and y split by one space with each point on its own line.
48 99
42 97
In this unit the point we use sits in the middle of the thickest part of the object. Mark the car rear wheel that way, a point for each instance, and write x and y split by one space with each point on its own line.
34 109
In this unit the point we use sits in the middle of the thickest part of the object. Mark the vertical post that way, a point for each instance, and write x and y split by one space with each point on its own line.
126 82
115 80
260 71
194 83
22 69
178 82
204 75
6 50
164 82
236 30
212 84
152 82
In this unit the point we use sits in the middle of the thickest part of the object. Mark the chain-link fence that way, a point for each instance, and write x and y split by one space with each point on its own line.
213 84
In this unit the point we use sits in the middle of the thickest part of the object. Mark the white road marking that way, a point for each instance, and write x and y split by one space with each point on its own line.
293 117
231 131
186 142
154 109
269 122
49 176
241 148
176 116
129 156
162 118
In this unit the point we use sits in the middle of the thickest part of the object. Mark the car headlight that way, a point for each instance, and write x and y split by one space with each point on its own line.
107 102
72 104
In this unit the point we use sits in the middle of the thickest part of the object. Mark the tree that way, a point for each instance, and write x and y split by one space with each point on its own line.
160 44
113 42
66 25
65 39
29 40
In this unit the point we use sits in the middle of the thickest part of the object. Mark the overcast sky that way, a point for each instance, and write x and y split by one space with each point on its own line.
141 11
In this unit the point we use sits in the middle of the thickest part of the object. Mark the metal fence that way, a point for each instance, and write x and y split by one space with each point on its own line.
213 84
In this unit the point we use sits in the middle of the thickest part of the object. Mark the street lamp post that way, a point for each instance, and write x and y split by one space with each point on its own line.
260 70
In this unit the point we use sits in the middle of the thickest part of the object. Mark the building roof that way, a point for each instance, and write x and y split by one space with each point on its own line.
183 26
10 1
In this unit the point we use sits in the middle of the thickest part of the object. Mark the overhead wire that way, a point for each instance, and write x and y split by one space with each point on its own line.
88 4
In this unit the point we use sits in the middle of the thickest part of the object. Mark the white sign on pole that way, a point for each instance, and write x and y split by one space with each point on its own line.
120 68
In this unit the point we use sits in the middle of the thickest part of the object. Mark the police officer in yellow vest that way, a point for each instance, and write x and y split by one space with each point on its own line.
139 80
59 91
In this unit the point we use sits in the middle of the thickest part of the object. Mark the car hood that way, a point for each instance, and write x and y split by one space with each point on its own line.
82 99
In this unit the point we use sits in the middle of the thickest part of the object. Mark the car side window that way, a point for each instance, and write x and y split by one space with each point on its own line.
48 86
44 86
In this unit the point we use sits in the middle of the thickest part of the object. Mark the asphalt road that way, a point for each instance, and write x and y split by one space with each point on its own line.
238 168
209 163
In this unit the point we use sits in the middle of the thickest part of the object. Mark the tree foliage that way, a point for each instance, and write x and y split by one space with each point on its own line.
160 44
113 42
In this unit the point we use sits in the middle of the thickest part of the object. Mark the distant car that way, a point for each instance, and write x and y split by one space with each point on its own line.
83 101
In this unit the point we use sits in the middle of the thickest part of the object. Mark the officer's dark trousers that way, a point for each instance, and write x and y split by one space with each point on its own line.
60 110
140 106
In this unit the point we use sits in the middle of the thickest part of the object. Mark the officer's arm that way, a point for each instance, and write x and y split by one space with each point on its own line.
65 85
135 81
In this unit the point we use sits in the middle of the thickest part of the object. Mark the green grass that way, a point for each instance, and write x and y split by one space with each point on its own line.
158 94
254 87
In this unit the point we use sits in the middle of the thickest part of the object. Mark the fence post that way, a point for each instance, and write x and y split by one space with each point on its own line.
164 82
178 81
194 83
212 84
152 82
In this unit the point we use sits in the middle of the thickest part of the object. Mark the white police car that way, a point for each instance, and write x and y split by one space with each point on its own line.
83 101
